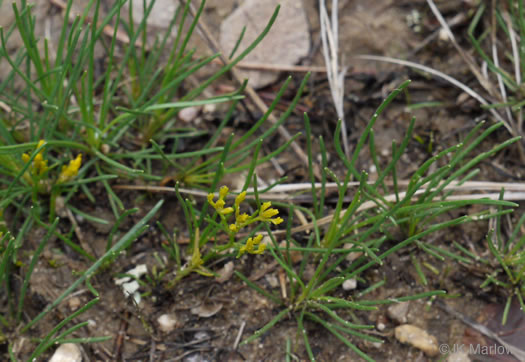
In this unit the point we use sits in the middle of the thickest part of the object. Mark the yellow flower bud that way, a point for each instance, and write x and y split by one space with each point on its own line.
277 221
39 165
242 218
242 250
262 248
219 205
227 211
265 205
266 213
71 170
250 244
257 239
269 213
38 160
223 192
240 198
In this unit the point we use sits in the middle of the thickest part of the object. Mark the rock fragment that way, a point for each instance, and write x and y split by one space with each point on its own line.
67 352
287 42
398 312
167 322
418 338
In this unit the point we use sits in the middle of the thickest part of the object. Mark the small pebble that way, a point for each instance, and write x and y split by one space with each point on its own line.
442 35
225 273
105 148
352 255
272 280
167 322
209 108
194 357
67 352
418 338
92 323
201 335
377 345
458 356
189 114
350 284
381 322
206 310
130 287
398 312
74 303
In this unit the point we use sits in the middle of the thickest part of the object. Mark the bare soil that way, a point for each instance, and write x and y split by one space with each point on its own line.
366 27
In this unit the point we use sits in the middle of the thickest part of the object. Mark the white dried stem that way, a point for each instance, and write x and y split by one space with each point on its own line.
336 77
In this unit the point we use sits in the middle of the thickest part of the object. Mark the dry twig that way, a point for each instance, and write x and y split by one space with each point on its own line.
514 192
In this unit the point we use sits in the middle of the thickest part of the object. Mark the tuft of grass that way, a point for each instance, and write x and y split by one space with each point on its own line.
369 230
69 128
13 326
508 265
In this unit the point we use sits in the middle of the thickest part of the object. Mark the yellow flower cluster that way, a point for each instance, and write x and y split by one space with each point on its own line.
240 219
250 244
71 170
220 203
264 214
39 165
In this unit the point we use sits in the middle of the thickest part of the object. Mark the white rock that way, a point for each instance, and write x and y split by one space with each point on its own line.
443 36
350 284
137 272
418 338
167 322
67 352
272 280
287 42
194 357
225 273
398 312
130 286
458 356
189 114
209 108
74 303
160 16
206 310
200 336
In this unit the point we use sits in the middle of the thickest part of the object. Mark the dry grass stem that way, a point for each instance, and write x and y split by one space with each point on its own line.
336 77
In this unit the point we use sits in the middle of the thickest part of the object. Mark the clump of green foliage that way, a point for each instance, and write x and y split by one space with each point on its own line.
68 130
508 266
65 130
358 228
230 221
